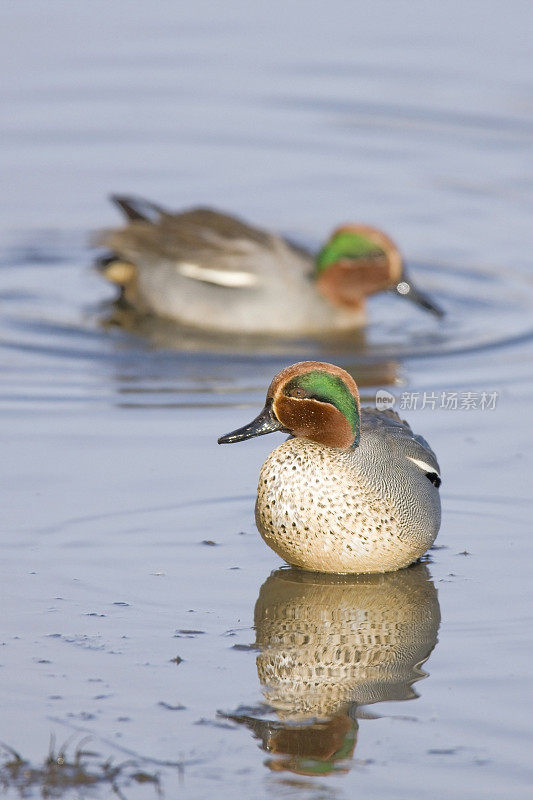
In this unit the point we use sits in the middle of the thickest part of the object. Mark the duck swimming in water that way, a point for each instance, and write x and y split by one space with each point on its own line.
353 489
212 271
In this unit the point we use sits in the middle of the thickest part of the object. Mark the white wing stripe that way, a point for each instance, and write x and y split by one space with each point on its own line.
423 465
234 279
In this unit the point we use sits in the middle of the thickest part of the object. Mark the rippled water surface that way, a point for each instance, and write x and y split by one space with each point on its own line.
140 607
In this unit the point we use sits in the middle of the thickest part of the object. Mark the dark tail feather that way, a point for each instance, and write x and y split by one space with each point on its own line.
135 208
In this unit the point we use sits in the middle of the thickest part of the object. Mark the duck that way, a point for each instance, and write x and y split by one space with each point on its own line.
210 270
352 490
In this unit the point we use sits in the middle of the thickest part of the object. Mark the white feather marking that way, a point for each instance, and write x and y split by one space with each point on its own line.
234 279
423 465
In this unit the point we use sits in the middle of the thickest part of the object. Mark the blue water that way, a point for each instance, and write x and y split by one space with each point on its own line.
412 116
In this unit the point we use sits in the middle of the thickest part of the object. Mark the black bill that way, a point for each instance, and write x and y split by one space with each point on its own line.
406 288
264 423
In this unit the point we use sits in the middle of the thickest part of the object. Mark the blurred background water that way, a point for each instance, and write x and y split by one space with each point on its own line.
416 117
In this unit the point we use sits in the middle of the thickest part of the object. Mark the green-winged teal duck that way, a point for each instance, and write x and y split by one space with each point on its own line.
214 272
352 490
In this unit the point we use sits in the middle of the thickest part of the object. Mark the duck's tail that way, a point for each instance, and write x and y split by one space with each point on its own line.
136 209
114 265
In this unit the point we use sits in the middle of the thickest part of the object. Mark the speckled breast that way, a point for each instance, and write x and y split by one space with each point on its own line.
317 510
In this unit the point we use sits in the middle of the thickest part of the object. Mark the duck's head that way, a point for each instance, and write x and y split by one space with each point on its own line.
311 399
358 261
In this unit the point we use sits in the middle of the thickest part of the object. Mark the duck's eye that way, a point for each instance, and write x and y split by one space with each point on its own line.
297 391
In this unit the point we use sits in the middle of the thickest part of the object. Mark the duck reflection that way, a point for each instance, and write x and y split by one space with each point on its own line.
369 368
329 644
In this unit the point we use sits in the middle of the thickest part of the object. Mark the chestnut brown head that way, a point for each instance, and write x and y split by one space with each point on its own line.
311 399
359 261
